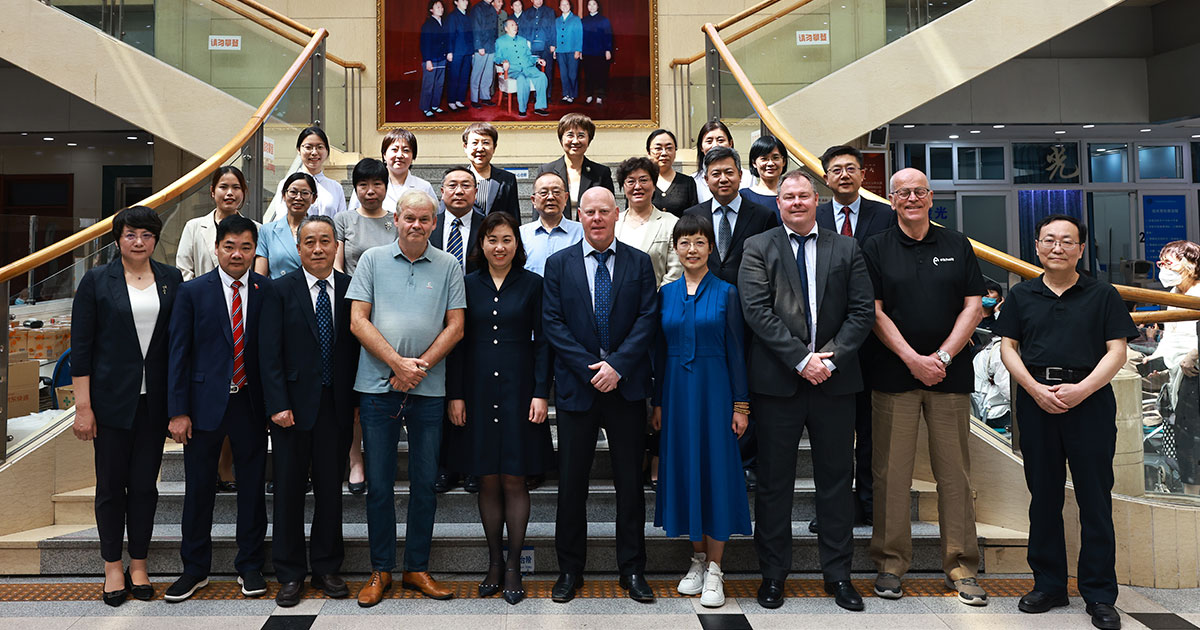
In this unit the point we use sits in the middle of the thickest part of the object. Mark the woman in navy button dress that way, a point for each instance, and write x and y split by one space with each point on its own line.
498 383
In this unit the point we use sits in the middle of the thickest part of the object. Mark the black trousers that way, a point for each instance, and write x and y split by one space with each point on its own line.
595 75
625 422
248 437
1084 438
864 481
127 463
323 450
830 424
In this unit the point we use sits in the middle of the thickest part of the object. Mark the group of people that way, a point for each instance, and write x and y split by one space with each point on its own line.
449 318
465 48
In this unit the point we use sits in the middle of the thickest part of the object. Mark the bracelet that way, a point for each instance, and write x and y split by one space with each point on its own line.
741 407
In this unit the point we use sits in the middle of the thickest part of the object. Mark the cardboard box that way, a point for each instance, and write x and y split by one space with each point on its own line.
18 339
22 401
66 396
23 374
48 342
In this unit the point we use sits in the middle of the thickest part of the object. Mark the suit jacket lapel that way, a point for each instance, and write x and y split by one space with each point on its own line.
744 216
300 286
120 296
436 239
339 292
578 267
585 176
163 321
618 274
493 192
788 261
219 287
255 298
824 259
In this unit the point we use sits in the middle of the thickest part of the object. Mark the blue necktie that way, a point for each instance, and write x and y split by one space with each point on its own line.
802 267
325 332
602 297
455 246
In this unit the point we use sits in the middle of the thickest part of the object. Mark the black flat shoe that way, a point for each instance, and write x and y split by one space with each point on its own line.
813 527
565 588
485 589
751 479
117 597
332 585
770 593
1104 616
357 488
513 596
1039 602
226 486
638 588
444 482
142 592
471 484
845 595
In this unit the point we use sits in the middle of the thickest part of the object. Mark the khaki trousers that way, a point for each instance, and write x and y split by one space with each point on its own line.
895 420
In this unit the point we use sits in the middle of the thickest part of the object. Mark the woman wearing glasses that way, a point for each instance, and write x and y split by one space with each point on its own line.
671 193
277 252
119 368
768 162
641 224
312 147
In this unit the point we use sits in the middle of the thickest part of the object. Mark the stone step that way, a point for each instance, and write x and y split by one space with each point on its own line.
456 506
172 466
461 548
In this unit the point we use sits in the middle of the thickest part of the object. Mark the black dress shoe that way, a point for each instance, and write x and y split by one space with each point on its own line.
565 588
270 487
639 589
471 484
1039 602
1104 616
143 592
844 594
332 585
770 593
444 482
751 480
289 594
226 486
513 595
813 528
357 488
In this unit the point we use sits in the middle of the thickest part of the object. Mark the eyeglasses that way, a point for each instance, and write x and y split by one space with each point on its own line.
1049 244
546 193
644 181
664 149
838 170
298 194
312 148
145 237
1166 264
458 185
905 193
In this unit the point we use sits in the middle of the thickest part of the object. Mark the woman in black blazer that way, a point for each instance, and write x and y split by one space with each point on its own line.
575 133
119 367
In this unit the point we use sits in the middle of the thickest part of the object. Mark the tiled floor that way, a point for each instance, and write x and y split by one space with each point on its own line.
48 604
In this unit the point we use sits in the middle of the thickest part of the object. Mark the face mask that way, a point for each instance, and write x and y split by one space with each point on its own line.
1169 278
990 302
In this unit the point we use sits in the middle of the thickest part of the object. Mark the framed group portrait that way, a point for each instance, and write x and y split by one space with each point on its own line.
443 64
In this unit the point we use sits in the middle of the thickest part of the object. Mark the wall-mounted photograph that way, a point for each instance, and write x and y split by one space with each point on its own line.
446 63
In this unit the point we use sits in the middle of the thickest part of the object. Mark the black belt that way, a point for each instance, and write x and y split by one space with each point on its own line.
1058 374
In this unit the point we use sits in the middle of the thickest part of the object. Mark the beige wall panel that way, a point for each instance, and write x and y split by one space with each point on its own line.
1185 535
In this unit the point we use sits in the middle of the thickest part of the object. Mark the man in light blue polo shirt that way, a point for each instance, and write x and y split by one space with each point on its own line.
407 312
549 232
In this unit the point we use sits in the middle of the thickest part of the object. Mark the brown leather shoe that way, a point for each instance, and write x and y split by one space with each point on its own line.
372 592
425 583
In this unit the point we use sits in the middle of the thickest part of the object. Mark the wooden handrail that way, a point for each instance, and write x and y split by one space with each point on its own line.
685 61
738 17
181 185
265 10
987 253
283 32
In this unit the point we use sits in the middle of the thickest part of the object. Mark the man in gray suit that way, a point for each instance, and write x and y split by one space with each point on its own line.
807 296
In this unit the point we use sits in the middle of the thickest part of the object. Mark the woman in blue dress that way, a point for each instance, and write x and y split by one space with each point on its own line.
702 406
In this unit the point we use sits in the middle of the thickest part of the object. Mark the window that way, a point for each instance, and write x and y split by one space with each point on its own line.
941 163
1108 163
1159 162
1045 163
980 163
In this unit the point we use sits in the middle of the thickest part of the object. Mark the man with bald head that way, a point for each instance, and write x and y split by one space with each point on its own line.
928 299
600 314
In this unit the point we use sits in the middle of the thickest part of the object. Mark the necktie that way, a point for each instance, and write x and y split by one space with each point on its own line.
724 233
802 267
455 244
602 297
239 340
325 332
847 230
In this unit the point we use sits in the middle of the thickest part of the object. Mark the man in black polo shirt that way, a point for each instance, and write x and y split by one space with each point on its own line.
1064 338
928 292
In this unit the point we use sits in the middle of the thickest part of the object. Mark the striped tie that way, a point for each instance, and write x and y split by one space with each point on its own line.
239 340
455 244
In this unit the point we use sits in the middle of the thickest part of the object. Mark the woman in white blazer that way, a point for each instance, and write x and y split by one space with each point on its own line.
197 253
642 225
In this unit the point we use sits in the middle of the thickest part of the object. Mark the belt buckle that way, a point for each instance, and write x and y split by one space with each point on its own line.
1051 370
233 388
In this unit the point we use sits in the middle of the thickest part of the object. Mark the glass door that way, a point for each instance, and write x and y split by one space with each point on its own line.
985 219
1111 223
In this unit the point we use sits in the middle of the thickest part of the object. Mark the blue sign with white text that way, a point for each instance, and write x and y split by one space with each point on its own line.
1164 219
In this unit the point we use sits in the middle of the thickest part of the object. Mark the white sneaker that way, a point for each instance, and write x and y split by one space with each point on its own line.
714 587
693 582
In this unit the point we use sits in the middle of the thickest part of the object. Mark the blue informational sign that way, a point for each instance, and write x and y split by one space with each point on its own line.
1164 219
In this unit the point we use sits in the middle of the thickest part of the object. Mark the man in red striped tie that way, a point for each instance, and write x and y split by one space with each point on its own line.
214 391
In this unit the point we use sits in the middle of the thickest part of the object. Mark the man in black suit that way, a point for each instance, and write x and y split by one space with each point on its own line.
734 220
457 209
600 313
849 214
309 359
496 187
807 296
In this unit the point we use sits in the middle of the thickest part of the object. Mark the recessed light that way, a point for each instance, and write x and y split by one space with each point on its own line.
1059 132
1088 126
72 144
909 126
976 131
24 133
48 138
997 126
92 148
1101 150
954 136
1196 135
149 142
1145 130
131 137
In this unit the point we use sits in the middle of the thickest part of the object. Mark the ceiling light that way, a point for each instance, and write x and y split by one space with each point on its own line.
954 136
976 131
149 142
48 138
1088 126
1101 150
1145 130
131 137
24 133
997 126
909 126
1196 135
1059 132
72 144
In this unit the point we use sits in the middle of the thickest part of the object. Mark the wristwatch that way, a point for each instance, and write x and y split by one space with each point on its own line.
944 357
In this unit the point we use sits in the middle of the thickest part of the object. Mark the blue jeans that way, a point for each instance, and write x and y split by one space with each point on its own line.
381 416
568 69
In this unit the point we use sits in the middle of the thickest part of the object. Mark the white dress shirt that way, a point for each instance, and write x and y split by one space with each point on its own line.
591 264
313 291
810 265
839 217
735 206
244 291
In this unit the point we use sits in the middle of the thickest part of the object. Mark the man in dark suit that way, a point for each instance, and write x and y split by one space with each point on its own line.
214 391
575 133
849 214
496 187
308 360
602 379
807 296
457 209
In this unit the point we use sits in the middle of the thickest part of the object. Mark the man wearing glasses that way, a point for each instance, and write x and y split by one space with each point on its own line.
849 214
549 231
1064 337
928 299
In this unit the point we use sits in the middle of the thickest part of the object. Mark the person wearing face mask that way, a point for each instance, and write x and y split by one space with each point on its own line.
991 304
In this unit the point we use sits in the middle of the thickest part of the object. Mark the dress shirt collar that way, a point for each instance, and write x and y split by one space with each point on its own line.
542 229
735 205
588 249
311 280
853 205
791 232
227 279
